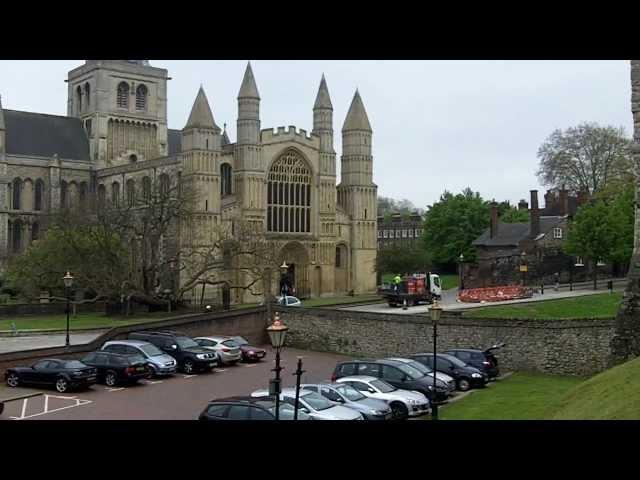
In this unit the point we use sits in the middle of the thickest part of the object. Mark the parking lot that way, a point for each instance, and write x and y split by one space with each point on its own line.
180 397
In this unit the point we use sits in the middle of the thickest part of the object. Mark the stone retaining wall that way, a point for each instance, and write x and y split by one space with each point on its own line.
567 347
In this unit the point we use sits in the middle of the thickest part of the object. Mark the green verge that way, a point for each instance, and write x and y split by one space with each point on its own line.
611 395
522 396
603 305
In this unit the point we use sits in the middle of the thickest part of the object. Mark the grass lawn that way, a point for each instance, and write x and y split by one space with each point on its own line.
82 320
522 396
323 302
603 305
448 280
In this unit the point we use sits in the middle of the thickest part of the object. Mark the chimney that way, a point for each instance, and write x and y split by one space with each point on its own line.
583 197
534 230
523 205
549 199
564 201
493 226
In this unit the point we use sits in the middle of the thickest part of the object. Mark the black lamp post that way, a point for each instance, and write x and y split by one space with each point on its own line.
298 373
277 332
284 268
68 282
577 264
460 283
523 267
434 311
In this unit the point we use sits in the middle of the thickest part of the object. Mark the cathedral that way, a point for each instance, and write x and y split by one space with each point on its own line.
115 140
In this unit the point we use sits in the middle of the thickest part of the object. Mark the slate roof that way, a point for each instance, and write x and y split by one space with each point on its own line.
42 135
510 234
174 140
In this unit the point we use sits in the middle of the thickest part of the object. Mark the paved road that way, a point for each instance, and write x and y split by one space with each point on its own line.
450 301
16 344
181 397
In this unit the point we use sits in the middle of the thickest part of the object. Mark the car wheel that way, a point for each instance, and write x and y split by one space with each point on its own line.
13 380
399 411
153 371
188 367
62 385
110 379
463 385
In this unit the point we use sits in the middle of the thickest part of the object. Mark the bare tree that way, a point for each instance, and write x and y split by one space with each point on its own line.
584 158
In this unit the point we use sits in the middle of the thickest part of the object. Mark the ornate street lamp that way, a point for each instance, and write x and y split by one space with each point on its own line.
523 267
435 311
461 261
277 332
68 282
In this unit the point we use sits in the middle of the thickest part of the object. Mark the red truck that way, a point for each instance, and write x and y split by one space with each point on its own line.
413 289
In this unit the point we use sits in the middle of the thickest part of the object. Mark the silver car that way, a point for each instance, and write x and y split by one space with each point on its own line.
348 396
160 362
314 405
403 403
289 301
447 379
227 350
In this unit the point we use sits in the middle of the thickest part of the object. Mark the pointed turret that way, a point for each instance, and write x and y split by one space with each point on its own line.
357 116
225 137
248 89
323 100
201 116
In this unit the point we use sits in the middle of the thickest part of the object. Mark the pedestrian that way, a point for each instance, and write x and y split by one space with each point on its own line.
397 280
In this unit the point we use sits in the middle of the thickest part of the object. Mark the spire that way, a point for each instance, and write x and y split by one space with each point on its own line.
248 89
357 116
322 99
225 137
201 115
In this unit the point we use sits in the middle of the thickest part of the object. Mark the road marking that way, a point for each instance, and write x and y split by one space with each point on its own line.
251 365
150 382
189 376
46 407
114 389
221 370
24 406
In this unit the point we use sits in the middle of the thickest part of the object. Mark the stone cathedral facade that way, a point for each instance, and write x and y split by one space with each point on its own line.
114 141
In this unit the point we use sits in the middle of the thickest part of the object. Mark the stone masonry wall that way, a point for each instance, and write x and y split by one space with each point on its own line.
565 347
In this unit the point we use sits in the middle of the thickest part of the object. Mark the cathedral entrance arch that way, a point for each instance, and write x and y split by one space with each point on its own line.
296 277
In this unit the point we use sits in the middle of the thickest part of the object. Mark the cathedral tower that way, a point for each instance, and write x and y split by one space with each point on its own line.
323 128
4 183
357 194
123 106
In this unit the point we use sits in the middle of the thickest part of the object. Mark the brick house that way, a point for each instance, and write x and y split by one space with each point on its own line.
400 230
499 249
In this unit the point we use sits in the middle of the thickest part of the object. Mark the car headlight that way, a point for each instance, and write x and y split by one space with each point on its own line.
476 375
201 356
413 402
251 352
430 387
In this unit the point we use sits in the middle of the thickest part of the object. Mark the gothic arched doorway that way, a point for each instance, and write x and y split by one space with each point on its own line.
296 277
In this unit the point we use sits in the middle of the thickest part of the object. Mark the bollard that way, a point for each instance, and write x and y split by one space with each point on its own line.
404 304
542 289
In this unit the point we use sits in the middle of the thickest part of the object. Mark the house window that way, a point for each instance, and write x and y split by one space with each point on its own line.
379 233
398 233
141 98
123 95
391 233
410 233
557 232
385 234
404 233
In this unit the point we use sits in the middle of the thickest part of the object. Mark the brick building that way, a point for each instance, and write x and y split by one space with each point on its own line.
399 230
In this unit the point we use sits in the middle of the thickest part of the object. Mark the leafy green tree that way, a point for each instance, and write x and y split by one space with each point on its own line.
399 259
452 224
510 214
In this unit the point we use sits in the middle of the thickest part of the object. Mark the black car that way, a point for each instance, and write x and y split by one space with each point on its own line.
249 408
190 356
397 373
483 360
64 375
113 368
465 375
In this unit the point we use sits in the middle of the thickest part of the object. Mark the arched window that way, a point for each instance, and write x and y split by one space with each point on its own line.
338 257
87 94
102 197
289 195
35 231
141 97
123 95
131 192
16 236
17 193
64 194
146 188
39 195
226 173
133 158
79 98
164 185
82 195
115 194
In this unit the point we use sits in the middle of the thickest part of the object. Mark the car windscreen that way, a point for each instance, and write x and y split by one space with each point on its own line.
456 361
240 341
151 350
411 372
186 342
74 364
316 401
383 386
420 367
230 343
350 392
135 358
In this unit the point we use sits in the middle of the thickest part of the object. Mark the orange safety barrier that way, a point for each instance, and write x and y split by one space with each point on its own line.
495 294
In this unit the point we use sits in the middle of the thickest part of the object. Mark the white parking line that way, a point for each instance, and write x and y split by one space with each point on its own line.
46 407
150 382
251 365
189 376
114 389
221 370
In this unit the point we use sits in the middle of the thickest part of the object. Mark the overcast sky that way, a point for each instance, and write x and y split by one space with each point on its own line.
436 124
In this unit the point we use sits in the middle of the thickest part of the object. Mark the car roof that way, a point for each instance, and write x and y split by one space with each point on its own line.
243 398
430 354
215 337
134 343
401 359
365 360
471 350
362 378
323 384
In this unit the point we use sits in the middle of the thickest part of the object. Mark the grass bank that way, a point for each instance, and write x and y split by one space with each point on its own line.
604 305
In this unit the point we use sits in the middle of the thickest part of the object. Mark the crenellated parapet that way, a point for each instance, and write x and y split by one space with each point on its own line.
290 134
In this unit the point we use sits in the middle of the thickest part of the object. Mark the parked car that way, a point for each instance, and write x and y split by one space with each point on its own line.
466 376
249 408
288 301
443 377
318 407
64 375
159 362
114 368
403 403
226 350
370 408
249 352
483 360
396 373
190 356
